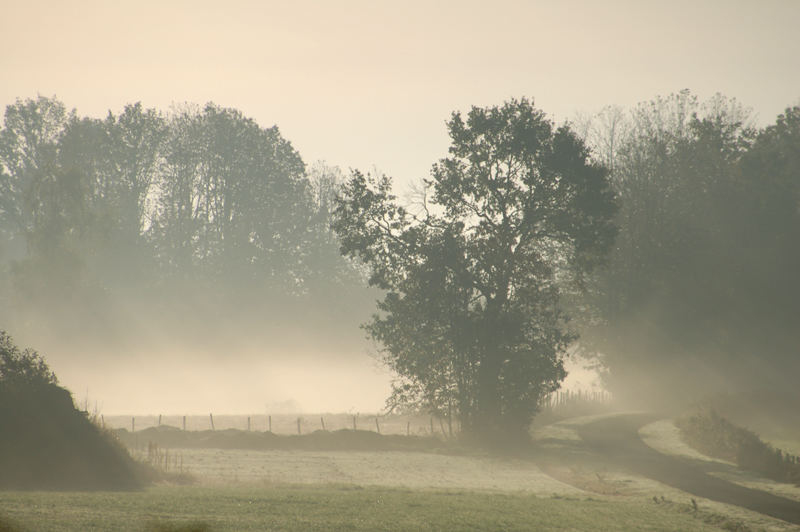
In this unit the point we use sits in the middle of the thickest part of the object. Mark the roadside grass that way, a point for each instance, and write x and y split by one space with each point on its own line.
290 507
714 435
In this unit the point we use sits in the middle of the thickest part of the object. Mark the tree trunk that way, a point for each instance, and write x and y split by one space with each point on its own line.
488 422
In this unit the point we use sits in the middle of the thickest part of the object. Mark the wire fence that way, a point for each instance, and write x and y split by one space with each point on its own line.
407 424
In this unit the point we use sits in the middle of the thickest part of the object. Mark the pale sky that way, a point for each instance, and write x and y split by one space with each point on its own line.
364 84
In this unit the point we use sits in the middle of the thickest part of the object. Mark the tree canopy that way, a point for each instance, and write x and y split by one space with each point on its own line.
701 292
473 271
198 212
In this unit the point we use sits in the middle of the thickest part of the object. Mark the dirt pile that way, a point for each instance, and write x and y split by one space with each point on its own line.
45 442
321 440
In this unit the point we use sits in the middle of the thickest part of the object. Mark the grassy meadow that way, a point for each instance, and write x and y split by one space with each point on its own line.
557 487
347 507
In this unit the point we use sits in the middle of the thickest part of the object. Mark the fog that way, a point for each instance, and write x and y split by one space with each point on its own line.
161 267
397 266
193 357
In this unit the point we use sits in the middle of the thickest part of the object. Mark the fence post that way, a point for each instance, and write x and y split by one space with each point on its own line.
211 417
322 421
184 423
298 426
355 426
408 428
248 423
269 423
377 426
133 423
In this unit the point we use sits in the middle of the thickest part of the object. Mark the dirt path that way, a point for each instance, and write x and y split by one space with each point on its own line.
617 439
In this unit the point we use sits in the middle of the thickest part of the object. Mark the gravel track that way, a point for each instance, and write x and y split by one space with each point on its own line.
617 439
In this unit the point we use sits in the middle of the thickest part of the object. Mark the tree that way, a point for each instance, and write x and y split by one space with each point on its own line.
233 200
28 151
471 319
22 367
699 294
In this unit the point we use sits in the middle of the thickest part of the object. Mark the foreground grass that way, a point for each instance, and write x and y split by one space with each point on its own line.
187 508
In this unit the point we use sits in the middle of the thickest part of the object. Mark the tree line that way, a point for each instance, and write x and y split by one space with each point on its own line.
662 241
198 200
701 292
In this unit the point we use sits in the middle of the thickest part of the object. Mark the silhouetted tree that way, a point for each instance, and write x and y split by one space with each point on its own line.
473 273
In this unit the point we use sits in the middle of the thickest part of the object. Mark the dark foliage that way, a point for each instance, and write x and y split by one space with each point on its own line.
701 293
472 321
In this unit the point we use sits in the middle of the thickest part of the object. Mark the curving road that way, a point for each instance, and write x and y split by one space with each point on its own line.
617 439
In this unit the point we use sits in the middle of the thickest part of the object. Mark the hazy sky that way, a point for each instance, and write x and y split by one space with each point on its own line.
363 84
371 83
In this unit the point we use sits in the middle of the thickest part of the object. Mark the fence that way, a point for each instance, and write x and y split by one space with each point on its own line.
571 397
287 423
419 425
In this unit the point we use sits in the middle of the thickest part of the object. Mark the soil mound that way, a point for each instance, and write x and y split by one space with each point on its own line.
45 442
321 440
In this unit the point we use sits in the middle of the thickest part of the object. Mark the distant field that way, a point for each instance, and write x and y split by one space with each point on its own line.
276 507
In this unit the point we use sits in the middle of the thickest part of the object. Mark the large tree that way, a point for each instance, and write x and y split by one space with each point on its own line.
473 272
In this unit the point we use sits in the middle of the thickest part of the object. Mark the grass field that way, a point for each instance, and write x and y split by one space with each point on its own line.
557 487
381 469
334 508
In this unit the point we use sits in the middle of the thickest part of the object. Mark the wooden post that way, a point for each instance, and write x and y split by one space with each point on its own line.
211 417
133 424
248 423
159 420
408 428
377 426
269 423
184 423
102 421
355 427
322 422
298 426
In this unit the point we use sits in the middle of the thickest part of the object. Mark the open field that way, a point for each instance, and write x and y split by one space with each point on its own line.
559 485
276 507
414 470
